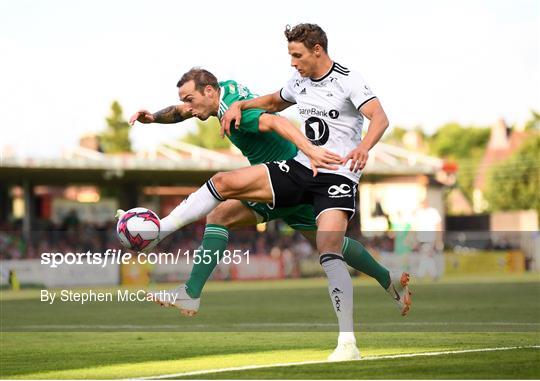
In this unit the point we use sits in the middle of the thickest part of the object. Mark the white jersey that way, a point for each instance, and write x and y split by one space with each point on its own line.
329 109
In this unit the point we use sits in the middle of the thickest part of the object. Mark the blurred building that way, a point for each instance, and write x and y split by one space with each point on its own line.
395 182
503 142
94 184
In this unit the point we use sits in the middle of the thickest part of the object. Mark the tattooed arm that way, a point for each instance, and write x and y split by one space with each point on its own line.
171 114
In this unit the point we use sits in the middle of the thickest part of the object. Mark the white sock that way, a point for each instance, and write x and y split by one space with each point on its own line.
341 294
196 206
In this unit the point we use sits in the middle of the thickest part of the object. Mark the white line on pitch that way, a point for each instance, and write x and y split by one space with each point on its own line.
263 325
367 358
419 323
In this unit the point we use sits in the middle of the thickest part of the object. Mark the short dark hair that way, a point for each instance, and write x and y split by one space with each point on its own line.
201 77
308 34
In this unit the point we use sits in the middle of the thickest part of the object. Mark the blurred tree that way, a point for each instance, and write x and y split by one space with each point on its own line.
455 141
207 135
534 122
115 138
514 184
466 146
395 136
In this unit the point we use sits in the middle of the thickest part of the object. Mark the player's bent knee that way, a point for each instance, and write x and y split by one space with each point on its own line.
227 184
221 183
329 242
330 248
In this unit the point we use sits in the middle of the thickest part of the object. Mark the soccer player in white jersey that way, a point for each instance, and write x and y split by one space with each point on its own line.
333 102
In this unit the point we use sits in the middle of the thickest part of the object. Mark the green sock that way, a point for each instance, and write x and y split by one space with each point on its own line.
357 256
215 239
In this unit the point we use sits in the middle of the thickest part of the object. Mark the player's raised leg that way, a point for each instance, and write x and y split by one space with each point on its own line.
250 184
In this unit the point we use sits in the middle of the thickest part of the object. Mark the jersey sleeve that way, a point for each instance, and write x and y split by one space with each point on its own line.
359 90
287 92
250 120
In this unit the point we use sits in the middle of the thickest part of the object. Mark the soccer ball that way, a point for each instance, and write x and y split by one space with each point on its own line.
137 228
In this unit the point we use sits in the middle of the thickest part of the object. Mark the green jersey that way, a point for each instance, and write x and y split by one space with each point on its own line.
262 147
256 146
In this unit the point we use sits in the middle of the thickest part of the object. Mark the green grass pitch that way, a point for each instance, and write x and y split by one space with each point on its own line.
264 323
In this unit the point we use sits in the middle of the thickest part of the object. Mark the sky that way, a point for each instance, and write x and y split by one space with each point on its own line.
429 62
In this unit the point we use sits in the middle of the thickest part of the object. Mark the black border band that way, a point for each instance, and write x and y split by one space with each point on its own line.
366 101
328 257
214 191
282 97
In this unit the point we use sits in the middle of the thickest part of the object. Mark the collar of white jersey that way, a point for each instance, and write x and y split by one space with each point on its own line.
326 75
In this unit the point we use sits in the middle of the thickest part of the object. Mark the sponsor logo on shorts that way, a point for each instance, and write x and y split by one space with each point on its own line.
282 165
337 191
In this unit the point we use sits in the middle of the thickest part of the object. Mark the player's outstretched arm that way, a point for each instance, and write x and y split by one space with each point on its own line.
271 103
318 156
171 114
378 124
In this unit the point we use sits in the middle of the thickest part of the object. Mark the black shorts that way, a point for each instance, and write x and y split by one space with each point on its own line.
293 184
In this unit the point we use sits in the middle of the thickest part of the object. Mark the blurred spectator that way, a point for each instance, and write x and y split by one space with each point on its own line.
401 227
71 220
428 230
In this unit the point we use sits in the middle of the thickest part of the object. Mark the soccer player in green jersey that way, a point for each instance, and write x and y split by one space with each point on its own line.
261 138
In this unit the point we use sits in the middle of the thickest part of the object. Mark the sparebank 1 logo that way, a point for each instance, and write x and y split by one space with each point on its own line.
317 131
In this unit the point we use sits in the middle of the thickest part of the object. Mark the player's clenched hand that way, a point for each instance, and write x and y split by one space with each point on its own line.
143 116
233 114
358 158
320 157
